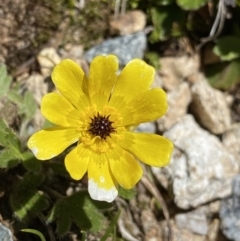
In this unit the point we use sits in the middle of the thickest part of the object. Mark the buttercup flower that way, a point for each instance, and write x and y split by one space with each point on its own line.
98 113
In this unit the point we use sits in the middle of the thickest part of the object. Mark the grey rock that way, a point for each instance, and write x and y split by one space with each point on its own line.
230 212
178 100
231 139
201 169
194 221
178 234
149 127
125 48
5 233
210 107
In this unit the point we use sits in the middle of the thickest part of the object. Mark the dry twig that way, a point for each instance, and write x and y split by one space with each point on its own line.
155 192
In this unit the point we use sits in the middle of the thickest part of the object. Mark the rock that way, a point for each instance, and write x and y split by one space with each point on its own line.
201 169
157 83
5 233
178 234
47 59
149 127
128 23
37 86
74 52
174 70
213 230
125 48
210 107
230 212
231 139
178 101
195 221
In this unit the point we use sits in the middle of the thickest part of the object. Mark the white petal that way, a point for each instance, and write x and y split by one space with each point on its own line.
101 194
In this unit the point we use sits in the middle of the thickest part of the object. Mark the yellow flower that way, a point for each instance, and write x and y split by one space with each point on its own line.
99 112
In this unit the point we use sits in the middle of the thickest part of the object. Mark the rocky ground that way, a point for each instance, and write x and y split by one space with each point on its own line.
201 185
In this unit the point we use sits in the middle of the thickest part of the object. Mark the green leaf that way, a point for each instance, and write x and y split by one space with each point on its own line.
11 153
153 59
58 168
225 75
5 81
26 103
163 2
127 193
7 137
166 19
31 163
15 96
80 209
8 158
227 48
29 106
38 233
26 200
111 227
191 4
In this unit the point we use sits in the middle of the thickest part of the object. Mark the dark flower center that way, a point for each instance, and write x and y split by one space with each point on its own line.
101 126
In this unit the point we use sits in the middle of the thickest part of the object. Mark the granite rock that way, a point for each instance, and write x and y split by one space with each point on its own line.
231 139
5 233
195 221
210 107
201 169
178 101
149 127
230 212
125 48
178 234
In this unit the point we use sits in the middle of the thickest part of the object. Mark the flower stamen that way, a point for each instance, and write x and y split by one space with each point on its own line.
101 126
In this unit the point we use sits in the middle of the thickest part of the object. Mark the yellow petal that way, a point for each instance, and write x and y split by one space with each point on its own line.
151 149
101 183
69 79
135 78
57 109
77 161
147 106
49 143
125 168
102 77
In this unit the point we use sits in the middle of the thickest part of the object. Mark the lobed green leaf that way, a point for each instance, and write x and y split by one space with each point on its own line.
224 75
80 209
191 4
227 48
31 163
26 200
11 153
